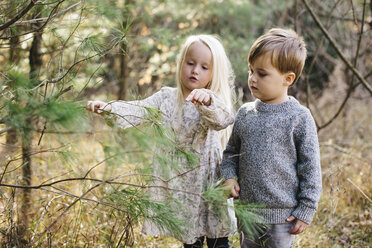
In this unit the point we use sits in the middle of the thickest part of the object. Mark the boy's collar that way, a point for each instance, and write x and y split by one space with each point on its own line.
280 107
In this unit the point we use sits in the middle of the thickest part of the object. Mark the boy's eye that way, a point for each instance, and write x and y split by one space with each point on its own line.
261 74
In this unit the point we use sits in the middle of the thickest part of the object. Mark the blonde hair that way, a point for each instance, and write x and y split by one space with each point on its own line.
222 74
287 48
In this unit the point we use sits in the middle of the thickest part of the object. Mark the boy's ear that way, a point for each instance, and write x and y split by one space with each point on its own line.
289 78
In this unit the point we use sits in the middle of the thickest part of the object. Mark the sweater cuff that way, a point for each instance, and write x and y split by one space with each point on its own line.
228 173
304 213
210 108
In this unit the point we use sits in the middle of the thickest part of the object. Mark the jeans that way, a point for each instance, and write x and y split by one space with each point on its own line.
212 243
274 236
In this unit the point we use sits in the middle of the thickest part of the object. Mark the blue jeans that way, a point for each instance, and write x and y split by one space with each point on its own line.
274 236
212 243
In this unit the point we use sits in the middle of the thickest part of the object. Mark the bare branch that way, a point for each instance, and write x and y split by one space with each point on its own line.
337 49
361 191
19 16
39 28
45 18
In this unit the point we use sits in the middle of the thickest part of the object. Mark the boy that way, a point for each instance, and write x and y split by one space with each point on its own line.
273 150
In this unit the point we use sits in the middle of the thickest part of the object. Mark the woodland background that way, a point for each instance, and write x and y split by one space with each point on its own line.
69 180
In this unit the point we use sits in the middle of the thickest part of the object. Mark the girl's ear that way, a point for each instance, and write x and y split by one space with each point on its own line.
289 78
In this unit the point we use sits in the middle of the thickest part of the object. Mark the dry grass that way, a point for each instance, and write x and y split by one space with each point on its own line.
343 220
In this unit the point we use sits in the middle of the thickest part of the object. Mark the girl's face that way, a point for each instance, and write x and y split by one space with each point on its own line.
196 70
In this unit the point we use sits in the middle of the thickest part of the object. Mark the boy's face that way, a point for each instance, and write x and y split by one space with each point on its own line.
266 82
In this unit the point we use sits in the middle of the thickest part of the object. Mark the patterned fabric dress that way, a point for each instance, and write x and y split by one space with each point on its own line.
196 129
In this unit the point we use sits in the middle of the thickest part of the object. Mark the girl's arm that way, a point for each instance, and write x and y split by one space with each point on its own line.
130 113
213 112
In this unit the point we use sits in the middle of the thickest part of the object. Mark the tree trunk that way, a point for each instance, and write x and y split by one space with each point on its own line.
35 65
11 135
123 82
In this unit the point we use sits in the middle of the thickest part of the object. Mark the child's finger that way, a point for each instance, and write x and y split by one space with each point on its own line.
90 106
237 188
203 97
234 193
295 229
190 96
197 95
290 219
96 106
301 229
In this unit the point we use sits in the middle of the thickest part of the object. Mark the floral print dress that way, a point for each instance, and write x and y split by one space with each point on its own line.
196 129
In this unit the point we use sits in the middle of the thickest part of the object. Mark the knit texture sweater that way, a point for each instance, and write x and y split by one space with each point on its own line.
274 153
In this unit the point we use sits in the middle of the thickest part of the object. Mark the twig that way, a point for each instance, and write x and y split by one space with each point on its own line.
343 150
42 215
65 211
361 191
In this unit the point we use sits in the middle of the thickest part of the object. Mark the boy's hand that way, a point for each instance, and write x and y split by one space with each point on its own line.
298 227
199 95
233 187
98 107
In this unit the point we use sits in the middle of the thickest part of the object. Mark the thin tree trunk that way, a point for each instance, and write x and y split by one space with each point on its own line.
11 135
123 82
25 210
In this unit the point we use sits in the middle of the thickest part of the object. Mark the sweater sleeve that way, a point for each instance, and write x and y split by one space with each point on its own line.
230 160
308 168
217 115
128 114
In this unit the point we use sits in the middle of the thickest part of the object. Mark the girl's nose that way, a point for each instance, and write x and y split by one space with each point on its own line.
195 71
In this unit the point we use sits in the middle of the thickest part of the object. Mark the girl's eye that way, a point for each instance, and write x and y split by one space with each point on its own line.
261 74
205 68
190 63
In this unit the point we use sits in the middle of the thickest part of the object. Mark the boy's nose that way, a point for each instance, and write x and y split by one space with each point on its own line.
251 79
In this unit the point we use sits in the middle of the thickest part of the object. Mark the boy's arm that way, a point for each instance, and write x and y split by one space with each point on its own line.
230 159
216 115
308 168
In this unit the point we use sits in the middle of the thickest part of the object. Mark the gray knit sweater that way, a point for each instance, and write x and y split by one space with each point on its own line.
274 153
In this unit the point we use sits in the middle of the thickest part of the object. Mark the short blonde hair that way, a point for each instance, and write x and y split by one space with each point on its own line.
287 49
222 73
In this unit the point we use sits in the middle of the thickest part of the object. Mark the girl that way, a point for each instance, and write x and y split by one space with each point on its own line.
198 111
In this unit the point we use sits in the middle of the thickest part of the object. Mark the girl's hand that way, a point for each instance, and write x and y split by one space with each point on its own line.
233 187
298 227
98 107
199 95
